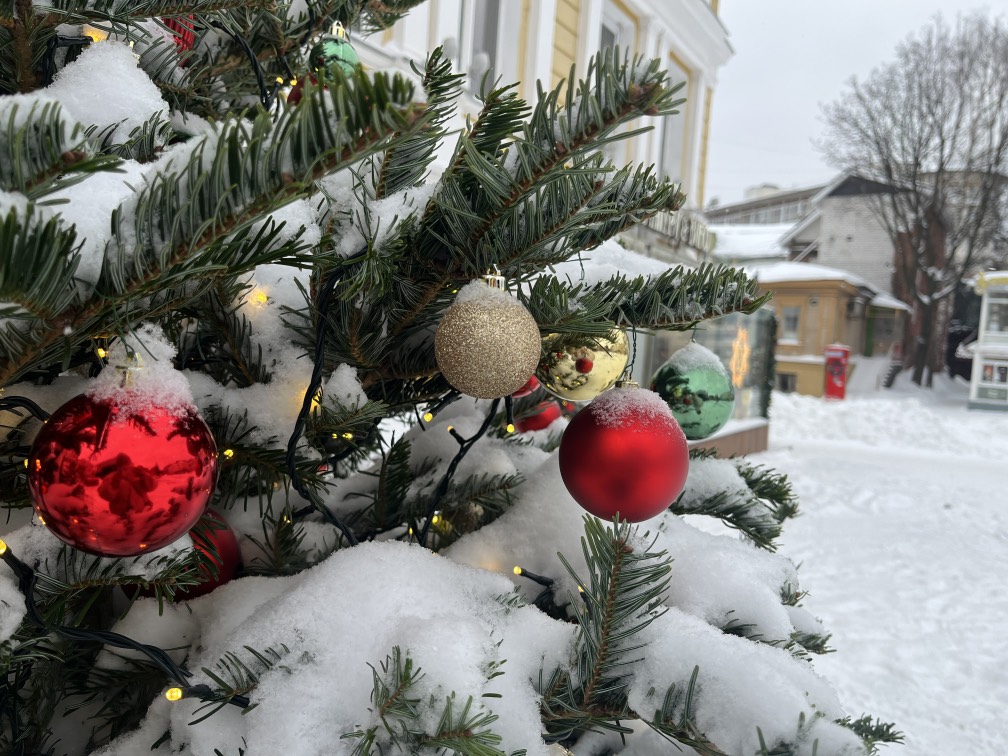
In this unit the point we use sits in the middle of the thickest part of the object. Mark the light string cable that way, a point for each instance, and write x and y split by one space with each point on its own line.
27 579
465 444
314 385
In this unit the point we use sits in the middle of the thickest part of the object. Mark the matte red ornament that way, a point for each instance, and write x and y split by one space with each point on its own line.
117 483
212 536
543 415
624 454
528 388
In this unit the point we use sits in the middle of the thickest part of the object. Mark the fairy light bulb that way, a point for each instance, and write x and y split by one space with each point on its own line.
517 570
228 453
173 694
510 428
102 354
428 416
3 547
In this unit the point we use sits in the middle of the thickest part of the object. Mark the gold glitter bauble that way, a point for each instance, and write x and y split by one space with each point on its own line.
579 374
487 347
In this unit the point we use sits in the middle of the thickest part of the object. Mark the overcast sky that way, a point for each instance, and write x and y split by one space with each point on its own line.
790 56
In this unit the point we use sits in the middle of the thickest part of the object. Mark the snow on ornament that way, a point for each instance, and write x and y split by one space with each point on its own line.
580 373
128 466
698 390
487 343
624 454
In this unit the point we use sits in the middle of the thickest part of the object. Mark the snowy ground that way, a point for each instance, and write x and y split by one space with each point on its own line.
904 545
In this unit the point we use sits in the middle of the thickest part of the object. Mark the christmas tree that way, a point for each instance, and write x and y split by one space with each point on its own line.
231 279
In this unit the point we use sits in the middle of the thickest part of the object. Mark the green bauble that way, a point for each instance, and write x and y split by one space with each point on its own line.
697 388
334 51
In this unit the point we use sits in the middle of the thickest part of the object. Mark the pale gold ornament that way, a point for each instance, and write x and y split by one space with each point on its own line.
487 344
579 374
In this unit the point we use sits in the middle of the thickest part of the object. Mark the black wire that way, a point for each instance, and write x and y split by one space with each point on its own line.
325 296
27 578
21 402
264 97
465 444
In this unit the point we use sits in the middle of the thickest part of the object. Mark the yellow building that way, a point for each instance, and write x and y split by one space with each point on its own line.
817 306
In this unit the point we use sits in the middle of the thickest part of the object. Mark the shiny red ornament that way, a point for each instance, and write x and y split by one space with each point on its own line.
531 386
624 454
183 31
584 365
116 483
542 416
212 536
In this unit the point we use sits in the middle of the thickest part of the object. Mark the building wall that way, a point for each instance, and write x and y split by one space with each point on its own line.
852 239
538 41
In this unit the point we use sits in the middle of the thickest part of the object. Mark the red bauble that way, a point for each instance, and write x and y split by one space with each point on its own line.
183 31
116 483
583 365
543 415
528 388
213 536
624 454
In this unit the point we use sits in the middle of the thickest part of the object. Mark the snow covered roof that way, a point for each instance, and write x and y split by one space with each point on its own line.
804 223
782 272
890 302
749 240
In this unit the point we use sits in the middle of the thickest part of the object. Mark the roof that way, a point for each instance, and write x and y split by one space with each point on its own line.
786 272
889 302
810 217
742 241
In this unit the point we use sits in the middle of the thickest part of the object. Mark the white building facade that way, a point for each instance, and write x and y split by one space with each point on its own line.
530 41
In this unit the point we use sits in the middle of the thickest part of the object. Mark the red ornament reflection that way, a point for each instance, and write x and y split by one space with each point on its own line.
117 484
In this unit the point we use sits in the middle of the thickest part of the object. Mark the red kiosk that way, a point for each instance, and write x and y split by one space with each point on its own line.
836 371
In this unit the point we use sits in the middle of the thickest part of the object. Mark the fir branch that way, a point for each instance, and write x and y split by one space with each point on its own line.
621 598
128 12
676 299
181 224
872 731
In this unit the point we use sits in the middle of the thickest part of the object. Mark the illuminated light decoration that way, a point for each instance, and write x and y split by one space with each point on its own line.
96 34
428 416
260 297
348 436
174 694
435 519
102 354
510 428
3 547
41 519
450 428
739 363
517 570
228 453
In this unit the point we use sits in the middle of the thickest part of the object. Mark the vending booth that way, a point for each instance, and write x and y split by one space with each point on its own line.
989 380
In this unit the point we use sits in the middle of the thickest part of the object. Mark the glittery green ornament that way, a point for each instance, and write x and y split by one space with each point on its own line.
334 50
698 390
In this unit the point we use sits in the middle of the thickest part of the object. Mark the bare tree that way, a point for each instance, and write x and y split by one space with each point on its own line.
932 126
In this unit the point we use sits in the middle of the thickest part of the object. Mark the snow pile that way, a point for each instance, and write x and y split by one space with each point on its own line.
902 542
84 91
350 611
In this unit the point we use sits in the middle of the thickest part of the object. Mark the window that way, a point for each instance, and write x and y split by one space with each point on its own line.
673 157
997 317
790 317
484 42
787 382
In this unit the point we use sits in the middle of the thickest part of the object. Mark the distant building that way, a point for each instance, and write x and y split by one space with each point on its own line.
747 244
817 306
764 204
989 379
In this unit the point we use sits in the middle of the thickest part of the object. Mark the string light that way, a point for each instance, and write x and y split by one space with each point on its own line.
545 581
510 428
517 570
102 354
260 297
228 453
3 547
174 694
428 416
96 34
